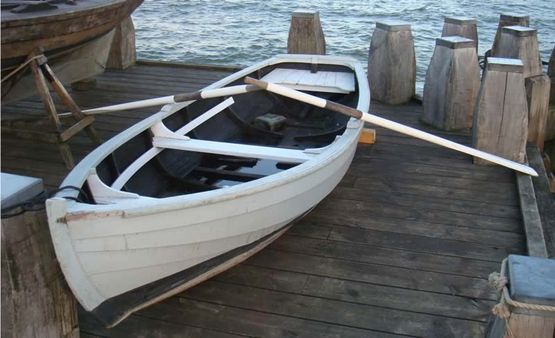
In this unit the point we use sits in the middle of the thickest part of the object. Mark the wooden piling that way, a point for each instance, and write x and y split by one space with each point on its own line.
461 26
551 74
123 52
501 115
550 125
519 42
452 84
305 33
36 301
392 63
508 20
537 94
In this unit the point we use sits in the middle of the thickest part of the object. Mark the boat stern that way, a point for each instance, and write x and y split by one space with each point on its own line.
85 292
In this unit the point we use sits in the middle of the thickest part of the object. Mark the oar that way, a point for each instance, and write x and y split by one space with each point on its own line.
201 94
398 127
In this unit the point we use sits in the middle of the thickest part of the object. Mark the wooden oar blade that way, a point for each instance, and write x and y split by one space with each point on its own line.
130 105
401 128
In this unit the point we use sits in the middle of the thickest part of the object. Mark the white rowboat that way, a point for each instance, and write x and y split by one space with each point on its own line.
202 185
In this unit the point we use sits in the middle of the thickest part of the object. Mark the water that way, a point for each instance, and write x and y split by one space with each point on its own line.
242 32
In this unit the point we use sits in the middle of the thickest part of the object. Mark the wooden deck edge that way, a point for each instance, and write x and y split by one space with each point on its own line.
545 198
535 240
223 68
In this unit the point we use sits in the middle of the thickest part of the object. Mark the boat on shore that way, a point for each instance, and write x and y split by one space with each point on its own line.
203 184
75 36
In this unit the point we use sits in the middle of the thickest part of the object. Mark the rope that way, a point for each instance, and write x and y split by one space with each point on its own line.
21 66
499 281
36 203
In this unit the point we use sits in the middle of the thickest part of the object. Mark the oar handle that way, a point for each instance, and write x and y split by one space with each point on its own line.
217 92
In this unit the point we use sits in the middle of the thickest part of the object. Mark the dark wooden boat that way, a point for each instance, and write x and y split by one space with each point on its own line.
75 36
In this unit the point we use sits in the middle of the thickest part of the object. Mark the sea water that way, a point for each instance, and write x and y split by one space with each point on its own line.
242 32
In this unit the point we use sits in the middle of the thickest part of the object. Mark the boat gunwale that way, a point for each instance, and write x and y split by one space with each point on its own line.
139 207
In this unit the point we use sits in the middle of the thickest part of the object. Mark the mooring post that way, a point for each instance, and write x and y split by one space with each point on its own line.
501 115
508 20
305 33
551 74
521 42
36 301
392 63
461 26
550 125
123 53
452 84
529 281
537 94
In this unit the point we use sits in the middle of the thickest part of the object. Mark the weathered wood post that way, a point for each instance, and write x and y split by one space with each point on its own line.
537 95
305 33
123 52
550 125
392 63
526 308
508 20
460 26
521 42
36 301
551 74
452 84
501 115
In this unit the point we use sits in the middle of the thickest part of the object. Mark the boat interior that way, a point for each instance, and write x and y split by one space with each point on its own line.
246 137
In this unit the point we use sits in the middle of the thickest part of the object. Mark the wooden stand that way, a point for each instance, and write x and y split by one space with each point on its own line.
34 128
459 26
508 20
537 94
123 53
501 116
36 301
305 34
452 84
392 63
519 42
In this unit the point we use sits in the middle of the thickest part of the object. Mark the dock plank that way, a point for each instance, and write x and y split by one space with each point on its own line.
335 312
402 248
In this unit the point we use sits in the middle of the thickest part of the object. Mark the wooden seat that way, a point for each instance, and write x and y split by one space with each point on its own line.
233 149
321 81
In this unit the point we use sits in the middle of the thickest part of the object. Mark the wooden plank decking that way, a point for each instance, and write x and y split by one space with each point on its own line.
402 247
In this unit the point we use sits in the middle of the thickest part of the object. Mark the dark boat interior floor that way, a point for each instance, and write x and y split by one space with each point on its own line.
402 247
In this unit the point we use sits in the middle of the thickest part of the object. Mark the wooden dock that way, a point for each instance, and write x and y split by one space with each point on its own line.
402 247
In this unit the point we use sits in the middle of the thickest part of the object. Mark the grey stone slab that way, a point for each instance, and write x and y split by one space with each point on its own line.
532 279
16 189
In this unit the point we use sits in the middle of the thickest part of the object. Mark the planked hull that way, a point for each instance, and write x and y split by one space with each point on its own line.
75 38
122 256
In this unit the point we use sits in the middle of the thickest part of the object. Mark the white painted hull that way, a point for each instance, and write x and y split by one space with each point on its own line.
108 250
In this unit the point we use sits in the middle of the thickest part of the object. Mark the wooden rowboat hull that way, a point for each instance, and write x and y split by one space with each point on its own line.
131 252
76 39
